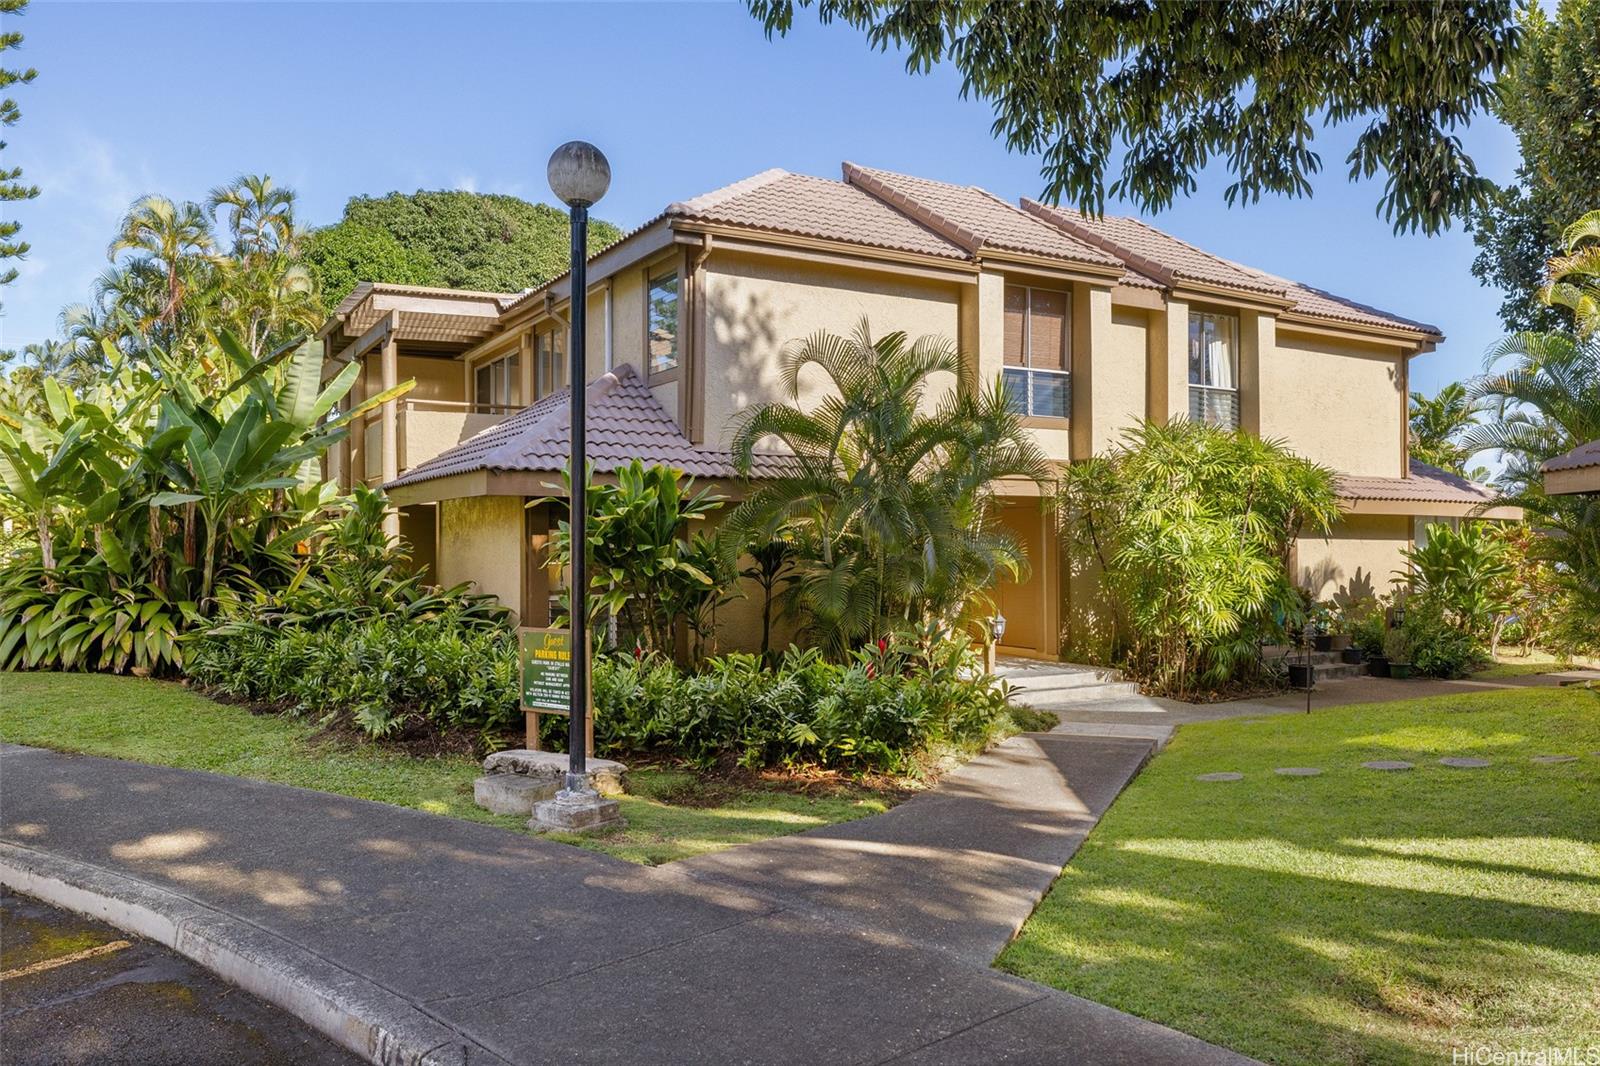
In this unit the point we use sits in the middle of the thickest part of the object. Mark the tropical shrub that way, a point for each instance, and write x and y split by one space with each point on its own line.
888 511
1191 527
642 568
1465 574
885 709
387 676
1433 643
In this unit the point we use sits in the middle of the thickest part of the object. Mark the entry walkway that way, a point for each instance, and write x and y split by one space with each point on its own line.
418 938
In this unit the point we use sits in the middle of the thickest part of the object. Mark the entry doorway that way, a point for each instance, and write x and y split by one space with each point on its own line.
1032 606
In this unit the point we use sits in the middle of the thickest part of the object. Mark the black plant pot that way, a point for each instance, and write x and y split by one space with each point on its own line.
1324 642
1378 665
1301 675
1353 656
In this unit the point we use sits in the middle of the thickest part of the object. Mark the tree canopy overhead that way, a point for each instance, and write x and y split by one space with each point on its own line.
1177 84
1550 97
457 239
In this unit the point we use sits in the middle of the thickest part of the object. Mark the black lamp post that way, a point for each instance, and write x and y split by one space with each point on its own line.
579 175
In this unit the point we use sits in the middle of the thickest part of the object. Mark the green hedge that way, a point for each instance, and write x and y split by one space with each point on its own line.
886 710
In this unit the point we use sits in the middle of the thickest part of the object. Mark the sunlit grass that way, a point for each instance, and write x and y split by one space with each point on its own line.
1358 916
1510 662
167 725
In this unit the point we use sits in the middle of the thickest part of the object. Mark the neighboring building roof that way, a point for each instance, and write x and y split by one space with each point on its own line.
1427 484
972 217
1169 259
625 422
1584 455
781 202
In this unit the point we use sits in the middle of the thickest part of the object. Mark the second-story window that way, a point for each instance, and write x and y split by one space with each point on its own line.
550 362
661 321
1038 351
497 385
1214 369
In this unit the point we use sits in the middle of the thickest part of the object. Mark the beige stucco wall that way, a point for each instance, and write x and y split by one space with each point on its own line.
1335 402
756 305
437 379
1119 378
1363 553
480 540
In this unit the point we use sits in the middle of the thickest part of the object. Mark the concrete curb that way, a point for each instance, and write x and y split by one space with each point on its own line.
352 1010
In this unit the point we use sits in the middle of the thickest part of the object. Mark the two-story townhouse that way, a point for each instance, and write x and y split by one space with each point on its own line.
1094 323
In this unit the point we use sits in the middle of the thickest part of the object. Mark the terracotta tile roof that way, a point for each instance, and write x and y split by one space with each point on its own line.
1149 250
972 217
1427 484
625 422
1319 303
782 202
1583 455
1167 258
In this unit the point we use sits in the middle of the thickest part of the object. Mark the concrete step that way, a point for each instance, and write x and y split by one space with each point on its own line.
1089 692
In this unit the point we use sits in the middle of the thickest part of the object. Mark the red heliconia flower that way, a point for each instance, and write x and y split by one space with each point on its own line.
883 644
872 671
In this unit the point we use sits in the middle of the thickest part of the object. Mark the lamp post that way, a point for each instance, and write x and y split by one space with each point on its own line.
579 176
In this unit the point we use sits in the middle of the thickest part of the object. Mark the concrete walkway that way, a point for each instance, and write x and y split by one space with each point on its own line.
414 938
1090 707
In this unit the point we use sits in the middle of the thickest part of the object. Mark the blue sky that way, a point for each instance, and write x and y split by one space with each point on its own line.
341 99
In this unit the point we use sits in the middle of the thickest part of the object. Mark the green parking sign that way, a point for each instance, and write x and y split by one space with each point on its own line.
547 670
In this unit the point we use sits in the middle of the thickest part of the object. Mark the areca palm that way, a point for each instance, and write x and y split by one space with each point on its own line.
1438 423
170 240
1575 276
888 503
260 215
1544 402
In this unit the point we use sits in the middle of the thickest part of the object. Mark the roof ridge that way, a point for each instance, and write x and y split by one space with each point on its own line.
716 197
866 179
1054 216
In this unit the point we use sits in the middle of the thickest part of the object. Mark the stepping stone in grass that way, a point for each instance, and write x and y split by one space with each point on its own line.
1550 760
1298 771
1220 777
1461 763
1387 764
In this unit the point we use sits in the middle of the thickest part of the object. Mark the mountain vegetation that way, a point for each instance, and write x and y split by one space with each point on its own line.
452 238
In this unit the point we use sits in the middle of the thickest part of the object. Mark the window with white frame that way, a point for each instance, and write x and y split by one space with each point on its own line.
1038 351
1214 368
661 324
497 384
549 362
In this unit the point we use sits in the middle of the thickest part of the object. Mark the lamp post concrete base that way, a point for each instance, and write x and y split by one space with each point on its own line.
580 810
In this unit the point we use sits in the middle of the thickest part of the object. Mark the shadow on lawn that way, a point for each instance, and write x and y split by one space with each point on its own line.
1306 962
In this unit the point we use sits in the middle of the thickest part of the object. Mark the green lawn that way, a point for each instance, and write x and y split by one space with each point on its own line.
166 724
1355 917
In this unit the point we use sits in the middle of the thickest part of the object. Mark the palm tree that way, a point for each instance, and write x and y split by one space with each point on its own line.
1575 277
889 505
1437 426
260 215
1545 402
167 239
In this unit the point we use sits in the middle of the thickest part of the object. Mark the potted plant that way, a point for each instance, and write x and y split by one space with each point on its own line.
1322 618
1397 649
1366 641
1301 675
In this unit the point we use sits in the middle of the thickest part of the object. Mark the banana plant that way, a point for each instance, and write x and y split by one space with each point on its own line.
260 434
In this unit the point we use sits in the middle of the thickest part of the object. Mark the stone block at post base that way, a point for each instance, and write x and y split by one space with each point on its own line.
576 812
512 793
604 775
